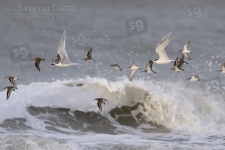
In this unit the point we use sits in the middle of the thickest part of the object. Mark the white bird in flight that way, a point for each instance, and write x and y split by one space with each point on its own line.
163 58
62 59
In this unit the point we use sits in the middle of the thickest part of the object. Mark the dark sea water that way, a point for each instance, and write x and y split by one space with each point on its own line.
54 109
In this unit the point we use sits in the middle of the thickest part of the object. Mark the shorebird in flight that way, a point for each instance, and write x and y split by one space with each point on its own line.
37 62
9 90
194 78
12 80
89 56
115 66
62 59
133 68
149 67
185 50
100 102
163 58
222 70
178 64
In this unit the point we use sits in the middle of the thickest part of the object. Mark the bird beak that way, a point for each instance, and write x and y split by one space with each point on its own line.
52 64
180 50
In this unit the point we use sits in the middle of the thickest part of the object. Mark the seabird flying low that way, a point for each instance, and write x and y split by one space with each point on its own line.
12 80
176 66
89 56
185 50
163 58
133 68
37 62
100 102
9 90
115 66
149 67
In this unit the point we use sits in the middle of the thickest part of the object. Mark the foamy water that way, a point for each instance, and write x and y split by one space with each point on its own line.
141 111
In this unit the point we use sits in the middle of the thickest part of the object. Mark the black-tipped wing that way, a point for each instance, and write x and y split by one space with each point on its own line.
187 56
186 45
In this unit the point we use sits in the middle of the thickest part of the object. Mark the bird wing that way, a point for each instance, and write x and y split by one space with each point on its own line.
11 79
58 59
175 62
37 64
62 47
161 45
187 56
89 53
186 45
132 74
99 103
9 92
151 63
181 62
133 64
148 67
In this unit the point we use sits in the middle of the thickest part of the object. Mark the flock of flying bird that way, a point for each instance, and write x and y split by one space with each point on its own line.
62 60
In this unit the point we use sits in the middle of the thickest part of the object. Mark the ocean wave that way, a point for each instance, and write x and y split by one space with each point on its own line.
67 106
